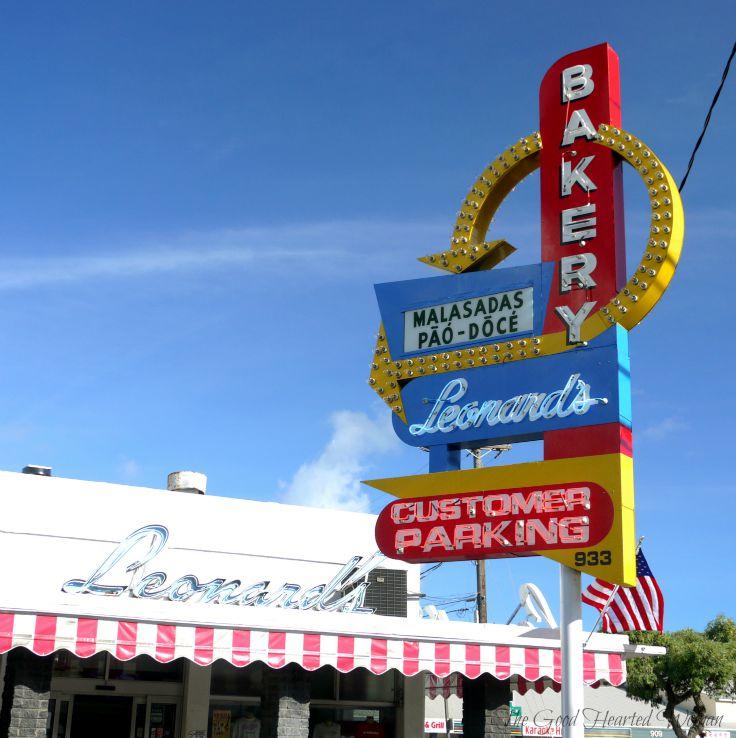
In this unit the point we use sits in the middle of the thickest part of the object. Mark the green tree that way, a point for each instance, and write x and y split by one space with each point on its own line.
696 664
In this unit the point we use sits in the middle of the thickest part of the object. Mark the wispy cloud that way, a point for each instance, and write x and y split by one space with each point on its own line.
130 470
339 247
333 479
328 248
26 273
665 427
324 247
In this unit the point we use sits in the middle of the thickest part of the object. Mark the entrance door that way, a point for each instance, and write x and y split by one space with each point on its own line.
162 720
96 716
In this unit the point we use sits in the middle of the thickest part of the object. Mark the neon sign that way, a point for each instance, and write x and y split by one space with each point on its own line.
345 592
495 524
446 416
518 510
560 373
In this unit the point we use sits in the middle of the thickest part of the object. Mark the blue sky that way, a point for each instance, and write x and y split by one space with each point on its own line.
198 199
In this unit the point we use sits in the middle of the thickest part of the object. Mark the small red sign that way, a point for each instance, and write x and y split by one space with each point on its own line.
495 524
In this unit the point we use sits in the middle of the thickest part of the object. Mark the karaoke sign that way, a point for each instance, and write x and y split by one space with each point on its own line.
489 354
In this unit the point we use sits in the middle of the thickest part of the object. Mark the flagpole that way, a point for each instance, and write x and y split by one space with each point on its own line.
610 599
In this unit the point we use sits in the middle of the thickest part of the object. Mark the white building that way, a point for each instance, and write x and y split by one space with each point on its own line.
143 613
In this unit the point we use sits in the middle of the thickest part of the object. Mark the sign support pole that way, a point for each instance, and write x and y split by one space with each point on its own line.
561 103
571 643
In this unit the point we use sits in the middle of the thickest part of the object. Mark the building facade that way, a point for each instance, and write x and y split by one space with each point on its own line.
608 713
144 613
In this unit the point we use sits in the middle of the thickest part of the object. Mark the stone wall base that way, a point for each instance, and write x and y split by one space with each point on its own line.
25 700
285 702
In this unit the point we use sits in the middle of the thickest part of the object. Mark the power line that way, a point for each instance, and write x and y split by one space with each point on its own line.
431 569
449 600
452 600
707 117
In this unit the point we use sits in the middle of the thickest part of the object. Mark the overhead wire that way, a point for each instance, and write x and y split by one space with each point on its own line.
449 600
444 602
707 117
432 568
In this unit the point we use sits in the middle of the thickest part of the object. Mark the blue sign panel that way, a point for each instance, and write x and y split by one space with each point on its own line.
441 313
520 401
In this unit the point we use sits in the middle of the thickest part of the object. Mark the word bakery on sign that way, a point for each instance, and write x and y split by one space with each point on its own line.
488 316
493 524
586 242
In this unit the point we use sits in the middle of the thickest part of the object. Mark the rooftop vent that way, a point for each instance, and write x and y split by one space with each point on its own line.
187 481
39 471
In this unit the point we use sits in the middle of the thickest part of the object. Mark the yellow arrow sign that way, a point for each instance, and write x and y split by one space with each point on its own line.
467 252
613 559
471 259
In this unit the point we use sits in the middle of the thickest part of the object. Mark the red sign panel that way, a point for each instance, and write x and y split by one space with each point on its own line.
488 525
581 186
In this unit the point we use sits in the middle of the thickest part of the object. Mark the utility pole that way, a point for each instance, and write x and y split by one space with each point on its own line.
480 565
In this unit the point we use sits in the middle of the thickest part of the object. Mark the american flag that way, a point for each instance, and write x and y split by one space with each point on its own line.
629 608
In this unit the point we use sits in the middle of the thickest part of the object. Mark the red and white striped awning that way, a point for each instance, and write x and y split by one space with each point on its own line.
84 637
453 685
443 686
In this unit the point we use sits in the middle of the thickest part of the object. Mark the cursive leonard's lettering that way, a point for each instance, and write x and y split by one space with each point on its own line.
345 592
447 415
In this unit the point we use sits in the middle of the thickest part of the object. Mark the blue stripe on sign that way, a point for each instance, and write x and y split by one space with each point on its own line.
510 403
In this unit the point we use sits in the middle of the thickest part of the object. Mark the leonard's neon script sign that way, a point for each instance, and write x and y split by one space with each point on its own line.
446 416
345 592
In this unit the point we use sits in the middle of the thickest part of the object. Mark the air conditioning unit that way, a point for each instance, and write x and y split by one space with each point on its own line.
386 593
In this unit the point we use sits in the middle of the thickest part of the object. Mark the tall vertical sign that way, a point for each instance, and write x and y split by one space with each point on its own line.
581 187
490 354
583 236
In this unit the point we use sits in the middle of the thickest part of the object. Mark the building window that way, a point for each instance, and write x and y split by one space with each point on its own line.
146 669
68 665
324 683
349 718
105 666
362 685
228 719
237 681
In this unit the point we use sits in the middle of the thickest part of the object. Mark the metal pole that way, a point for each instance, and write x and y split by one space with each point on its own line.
571 642
447 719
480 566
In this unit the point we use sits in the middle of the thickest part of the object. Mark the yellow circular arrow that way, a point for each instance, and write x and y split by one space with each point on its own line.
469 250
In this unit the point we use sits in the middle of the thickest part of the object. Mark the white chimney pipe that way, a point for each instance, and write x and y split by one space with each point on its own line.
187 481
